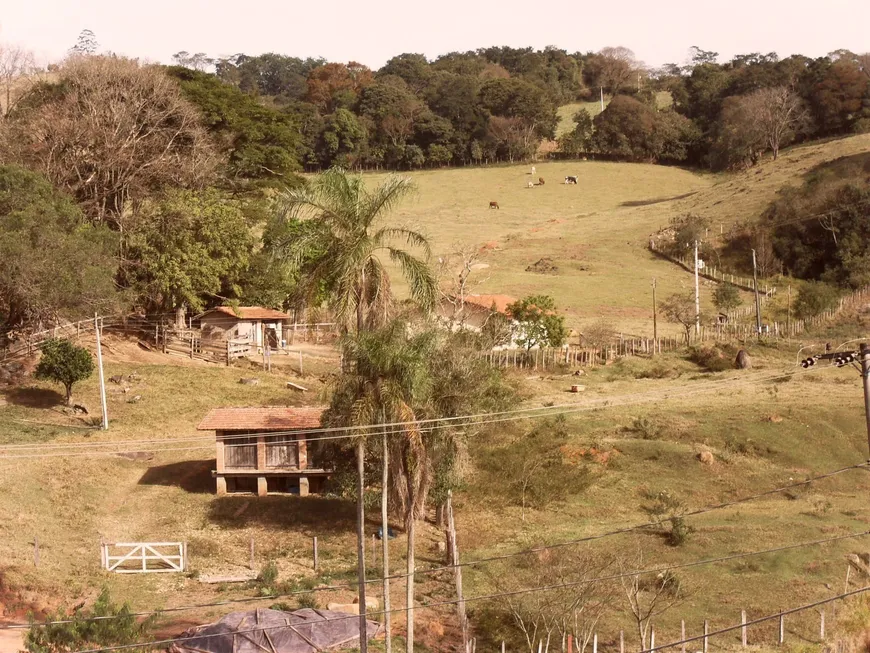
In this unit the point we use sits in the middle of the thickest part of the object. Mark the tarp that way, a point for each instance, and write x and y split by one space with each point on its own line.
274 631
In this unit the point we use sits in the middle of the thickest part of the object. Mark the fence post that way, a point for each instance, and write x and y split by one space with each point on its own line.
743 628
300 362
683 635
314 548
621 641
191 345
228 353
184 555
595 643
781 628
706 638
251 562
822 626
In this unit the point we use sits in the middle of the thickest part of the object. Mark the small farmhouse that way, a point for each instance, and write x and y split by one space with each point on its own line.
253 323
475 311
264 450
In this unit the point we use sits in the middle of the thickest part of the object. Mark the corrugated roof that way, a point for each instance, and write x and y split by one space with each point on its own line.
248 313
486 301
263 418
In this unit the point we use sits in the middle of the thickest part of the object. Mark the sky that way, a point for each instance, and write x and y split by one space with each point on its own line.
372 32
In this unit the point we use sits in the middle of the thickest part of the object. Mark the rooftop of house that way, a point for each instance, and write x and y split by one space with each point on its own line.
248 313
263 418
501 302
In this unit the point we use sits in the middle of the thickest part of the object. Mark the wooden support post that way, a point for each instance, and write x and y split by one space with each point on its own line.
621 641
594 642
300 362
228 353
743 628
374 549
706 638
184 555
191 345
652 638
314 549
251 563
683 635
822 626
502 646
570 644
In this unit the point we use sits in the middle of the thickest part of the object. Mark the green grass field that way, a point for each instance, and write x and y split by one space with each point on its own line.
761 435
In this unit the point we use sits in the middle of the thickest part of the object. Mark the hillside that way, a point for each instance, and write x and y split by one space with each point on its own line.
595 233
592 470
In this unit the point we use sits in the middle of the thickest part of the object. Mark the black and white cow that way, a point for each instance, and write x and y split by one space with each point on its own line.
571 180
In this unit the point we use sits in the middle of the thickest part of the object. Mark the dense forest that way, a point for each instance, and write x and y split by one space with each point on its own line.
499 103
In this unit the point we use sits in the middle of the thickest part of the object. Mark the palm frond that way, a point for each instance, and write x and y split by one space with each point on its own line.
421 282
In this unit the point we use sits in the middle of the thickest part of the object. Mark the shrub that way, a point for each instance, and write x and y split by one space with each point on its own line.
268 575
814 298
646 428
709 358
726 297
83 631
666 511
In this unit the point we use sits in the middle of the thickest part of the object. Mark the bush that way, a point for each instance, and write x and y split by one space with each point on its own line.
268 575
814 298
726 297
83 631
646 428
666 510
712 359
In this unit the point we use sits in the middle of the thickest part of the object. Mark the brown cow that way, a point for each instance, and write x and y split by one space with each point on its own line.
493 205
540 181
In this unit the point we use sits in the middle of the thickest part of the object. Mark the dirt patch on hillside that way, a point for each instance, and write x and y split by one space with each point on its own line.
543 266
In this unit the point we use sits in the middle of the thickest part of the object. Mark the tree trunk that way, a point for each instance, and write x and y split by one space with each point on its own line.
68 395
385 542
411 528
361 543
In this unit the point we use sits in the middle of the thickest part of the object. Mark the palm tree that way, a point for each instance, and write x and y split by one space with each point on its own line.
352 247
349 249
388 383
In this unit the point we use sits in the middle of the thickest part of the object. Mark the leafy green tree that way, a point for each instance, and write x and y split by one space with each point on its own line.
726 297
538 324
64 363
634 130
579 139
105 624
193 248
342 140
52 261
260 144
352 245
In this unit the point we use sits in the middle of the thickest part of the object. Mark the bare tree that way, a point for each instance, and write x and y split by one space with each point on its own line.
17 67
454 279
648 596
572 606
779 114
199 61
110 132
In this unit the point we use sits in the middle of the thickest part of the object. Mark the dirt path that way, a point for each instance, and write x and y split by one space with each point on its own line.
11 641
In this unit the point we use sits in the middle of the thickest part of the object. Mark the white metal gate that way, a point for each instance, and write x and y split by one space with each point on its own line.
144 557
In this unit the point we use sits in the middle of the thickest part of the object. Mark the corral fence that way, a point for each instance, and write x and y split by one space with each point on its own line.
574 356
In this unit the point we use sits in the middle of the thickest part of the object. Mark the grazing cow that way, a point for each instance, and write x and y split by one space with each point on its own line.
571 180
493 205
531 184
540 181
533 171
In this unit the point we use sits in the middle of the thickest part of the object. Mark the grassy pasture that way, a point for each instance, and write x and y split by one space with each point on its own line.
566 111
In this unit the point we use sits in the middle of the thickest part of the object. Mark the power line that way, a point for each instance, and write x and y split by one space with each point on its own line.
546 548
483 597
425 425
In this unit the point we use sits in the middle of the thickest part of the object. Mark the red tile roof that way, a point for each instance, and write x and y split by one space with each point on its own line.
249 313
486 301
264 418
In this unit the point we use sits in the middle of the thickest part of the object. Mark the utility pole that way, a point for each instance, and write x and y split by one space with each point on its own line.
697 295
601 89
865 379
97 328
655 323
757 300
788 316
361 543
385 533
